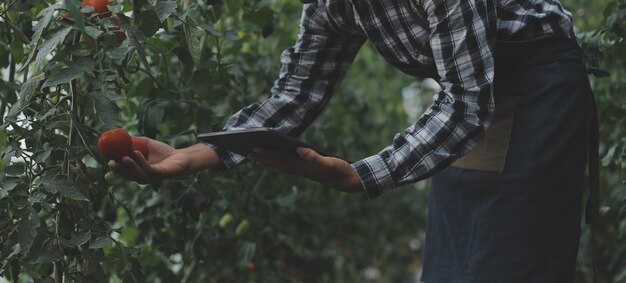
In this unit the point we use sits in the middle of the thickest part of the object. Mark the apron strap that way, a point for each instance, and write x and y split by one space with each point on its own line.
593 200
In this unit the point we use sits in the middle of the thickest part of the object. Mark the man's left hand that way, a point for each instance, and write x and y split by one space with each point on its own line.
329 171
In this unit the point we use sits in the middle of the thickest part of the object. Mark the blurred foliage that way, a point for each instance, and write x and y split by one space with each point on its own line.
603 39
182 69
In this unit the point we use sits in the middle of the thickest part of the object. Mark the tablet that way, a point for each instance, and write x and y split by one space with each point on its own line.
243 141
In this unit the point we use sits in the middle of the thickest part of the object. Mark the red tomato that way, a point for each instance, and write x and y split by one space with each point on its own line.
115 144
141 144
250 266
119 35
99 6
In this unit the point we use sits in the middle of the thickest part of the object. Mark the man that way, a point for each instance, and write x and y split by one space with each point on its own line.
505 139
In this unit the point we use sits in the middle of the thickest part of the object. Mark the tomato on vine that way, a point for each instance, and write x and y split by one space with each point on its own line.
99 6
250 266
226 220
242 228
119 34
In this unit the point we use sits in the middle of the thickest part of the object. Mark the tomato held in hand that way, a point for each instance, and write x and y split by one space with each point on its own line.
115 144
141 145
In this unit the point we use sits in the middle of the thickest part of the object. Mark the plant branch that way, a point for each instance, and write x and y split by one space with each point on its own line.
58 271
7 9
160 85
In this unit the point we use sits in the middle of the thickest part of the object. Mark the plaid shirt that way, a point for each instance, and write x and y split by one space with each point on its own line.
452 40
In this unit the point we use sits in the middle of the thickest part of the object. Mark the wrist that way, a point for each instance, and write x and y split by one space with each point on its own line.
201 157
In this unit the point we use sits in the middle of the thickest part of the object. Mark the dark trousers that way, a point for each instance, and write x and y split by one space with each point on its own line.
521 225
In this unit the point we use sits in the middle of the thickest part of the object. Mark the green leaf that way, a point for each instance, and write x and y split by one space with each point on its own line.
6 187
46 17
93 32
115 9
50 45
606 160
18 32
80 238
17 51
100 242
73 6
81 133
63 186
14 250
152 2
289 200
26 94
210 29
246 252
49 256
108 112
137 38
27 229
118 52
151 115
15 170
75 70
43 155
261 17
149 23
195 42
135 269
164 9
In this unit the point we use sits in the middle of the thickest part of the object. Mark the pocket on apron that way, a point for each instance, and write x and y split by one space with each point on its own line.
490 153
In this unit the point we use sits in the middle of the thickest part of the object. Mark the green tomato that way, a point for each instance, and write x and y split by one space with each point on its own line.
242 228
110 177
226 220
112 164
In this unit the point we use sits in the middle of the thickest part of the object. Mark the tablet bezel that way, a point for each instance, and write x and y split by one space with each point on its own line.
242 141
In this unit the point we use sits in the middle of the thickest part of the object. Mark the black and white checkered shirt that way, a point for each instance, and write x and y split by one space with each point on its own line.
452 40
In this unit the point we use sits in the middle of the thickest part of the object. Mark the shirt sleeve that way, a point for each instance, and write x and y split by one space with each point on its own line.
310 72
462 38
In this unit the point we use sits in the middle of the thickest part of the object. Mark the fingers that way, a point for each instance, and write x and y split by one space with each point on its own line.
306 162
134 169
142 162
287 163
311 156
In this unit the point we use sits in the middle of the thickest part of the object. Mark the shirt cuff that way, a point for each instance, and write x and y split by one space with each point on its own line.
374 175
229 159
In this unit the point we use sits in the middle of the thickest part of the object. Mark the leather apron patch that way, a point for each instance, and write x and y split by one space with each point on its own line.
490 153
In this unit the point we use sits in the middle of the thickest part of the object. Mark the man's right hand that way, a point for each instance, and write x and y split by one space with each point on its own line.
166 162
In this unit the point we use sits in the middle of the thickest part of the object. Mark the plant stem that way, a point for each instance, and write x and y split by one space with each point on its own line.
58 269
15 271
136 11
11 80
7 9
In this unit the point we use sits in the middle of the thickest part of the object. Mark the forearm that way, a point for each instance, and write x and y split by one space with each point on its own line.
201 157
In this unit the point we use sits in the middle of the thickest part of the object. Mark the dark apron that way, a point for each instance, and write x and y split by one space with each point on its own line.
510 210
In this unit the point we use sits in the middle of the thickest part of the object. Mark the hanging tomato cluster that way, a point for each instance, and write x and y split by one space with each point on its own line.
105 19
